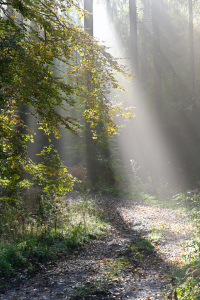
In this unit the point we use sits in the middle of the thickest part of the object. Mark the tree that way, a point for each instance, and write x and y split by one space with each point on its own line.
144 53
37 38
156 10
98 165
191 48
91 147
133 36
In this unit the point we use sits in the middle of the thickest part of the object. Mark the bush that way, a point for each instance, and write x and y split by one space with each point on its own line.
57 228
5 268
14 257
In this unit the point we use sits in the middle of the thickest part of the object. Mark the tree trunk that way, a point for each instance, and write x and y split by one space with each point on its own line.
143 73
191 47
109 9
90 143
157 56
98 155
133 37
88 21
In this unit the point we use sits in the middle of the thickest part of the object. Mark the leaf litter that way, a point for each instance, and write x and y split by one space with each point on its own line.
126 263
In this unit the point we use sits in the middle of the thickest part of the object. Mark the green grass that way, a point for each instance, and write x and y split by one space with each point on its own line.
166 202
156 233
188 275
35 245
187 280
142 245
31 250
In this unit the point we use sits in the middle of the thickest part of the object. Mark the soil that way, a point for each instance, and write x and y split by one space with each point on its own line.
114 266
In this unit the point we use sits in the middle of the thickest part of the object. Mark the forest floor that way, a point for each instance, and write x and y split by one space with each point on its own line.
133 260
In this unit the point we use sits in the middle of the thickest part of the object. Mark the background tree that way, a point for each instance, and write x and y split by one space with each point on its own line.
156 13
144 34
133 37
191 47
98 154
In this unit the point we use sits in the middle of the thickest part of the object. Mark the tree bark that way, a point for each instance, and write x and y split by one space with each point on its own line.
133 37
157 56
143 73
90 143
191 47
88 21
98 154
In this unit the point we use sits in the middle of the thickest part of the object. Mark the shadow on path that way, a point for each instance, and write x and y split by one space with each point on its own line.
119 265
150 274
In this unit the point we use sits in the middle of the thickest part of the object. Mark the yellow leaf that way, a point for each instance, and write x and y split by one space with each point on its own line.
115 279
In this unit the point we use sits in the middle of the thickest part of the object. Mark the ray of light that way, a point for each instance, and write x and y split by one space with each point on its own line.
144 140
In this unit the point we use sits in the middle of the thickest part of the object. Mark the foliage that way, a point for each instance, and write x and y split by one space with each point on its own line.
145 188
156 233
188 290
189 199
187 279
187 275
48 234
143 245
44 62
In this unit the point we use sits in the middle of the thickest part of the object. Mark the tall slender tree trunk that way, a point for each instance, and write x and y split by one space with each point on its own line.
90 143
143 73
191 47
88 21
133 37
194 133
98 155
109 9
157 56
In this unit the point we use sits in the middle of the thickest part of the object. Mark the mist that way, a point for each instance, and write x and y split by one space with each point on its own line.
158 42
163 139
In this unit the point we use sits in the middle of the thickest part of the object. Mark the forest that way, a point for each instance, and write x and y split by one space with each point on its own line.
99 149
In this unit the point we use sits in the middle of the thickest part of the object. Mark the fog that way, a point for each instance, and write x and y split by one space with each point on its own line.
163 139
160 145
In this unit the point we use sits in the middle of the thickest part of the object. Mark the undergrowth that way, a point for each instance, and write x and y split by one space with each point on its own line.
187 276
186 284
49 233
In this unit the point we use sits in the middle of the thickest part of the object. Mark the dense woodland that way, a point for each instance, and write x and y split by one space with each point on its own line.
109 107
59 84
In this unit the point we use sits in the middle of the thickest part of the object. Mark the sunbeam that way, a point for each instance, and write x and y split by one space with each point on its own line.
145 139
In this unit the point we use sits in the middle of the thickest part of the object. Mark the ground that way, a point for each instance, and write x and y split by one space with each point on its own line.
134 260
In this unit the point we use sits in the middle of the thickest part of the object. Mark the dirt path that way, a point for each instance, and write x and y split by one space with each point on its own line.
120 265
169 230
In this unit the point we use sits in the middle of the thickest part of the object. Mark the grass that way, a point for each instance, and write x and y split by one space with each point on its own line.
187 281
167 202
142 245
187 276
155 234
70 227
